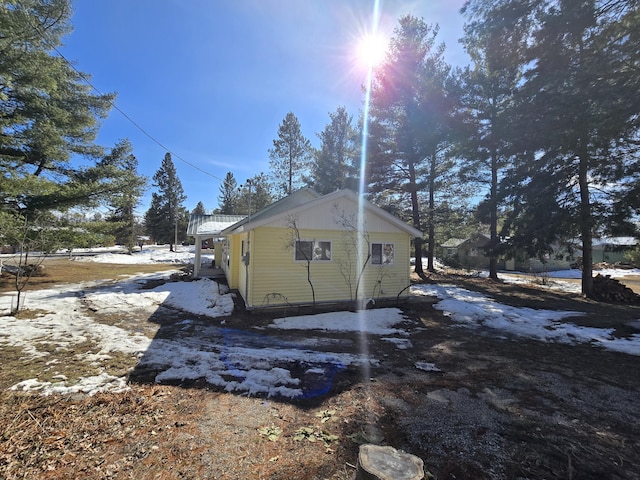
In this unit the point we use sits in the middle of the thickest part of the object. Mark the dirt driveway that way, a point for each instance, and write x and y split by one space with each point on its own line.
472 403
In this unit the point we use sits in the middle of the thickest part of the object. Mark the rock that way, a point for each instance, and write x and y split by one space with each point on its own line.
387 463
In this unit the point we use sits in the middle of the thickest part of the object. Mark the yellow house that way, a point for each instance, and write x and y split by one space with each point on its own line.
310 249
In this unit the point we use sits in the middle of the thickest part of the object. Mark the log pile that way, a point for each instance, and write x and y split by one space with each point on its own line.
607 289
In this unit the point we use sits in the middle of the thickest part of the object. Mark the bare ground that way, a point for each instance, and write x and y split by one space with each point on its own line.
500 408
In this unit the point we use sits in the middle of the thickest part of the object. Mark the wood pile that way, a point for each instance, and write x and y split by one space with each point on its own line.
607 289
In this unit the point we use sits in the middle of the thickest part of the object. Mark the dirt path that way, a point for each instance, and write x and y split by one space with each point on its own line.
633 282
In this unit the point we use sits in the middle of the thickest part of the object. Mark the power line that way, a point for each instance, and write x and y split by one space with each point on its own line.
118 109
133 122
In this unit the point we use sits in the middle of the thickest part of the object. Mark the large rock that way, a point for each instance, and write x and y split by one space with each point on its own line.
387 463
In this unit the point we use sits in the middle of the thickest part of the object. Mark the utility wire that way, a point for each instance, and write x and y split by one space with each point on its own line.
114 106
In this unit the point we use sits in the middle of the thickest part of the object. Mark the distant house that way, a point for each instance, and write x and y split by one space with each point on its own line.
467 252
613 249
206 231
450 247
605 250
560 259
307 245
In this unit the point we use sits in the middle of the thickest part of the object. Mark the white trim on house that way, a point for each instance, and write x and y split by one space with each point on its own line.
307 199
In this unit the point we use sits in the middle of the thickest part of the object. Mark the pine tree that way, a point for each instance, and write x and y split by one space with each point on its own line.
165 218
258 188
488 93
409 132
228 195
49 119
49 114
576 122
335 164
290 155
199 210
124 202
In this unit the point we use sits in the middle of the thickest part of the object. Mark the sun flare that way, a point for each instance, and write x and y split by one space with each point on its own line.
372 49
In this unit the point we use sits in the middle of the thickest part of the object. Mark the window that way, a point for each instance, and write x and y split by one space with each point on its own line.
313 250
382 254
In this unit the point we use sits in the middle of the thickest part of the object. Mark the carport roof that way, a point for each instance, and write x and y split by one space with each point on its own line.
203 225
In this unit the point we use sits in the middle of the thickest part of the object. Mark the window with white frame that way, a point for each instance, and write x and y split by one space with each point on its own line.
313 250
382 254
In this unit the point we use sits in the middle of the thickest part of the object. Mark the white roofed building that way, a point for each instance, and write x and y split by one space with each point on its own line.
206 230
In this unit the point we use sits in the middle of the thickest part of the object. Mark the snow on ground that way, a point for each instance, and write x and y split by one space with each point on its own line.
557 280
473 309
248 362
575 274
379 322
203 297
148 254
272 361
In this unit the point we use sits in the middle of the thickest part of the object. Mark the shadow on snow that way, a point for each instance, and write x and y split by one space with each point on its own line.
203 352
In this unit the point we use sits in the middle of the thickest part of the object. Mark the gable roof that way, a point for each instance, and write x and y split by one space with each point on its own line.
307 198
615 242
210 224
299 197
453 242
478 240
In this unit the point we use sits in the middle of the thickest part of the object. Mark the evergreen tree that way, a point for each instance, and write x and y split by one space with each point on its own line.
165 219
335 164
577 121
48 114
49 118
199 210
290 155
258 188
228 195
124 202
409 131
488 92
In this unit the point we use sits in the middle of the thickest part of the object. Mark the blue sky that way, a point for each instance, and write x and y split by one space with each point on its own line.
211 80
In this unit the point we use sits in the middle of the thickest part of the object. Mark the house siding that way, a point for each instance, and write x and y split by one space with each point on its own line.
243 247
276 278
232 261
329 216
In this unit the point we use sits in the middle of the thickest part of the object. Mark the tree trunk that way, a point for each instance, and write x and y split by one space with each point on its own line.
432 209
493 222
415 214
387 463
290 173
586 229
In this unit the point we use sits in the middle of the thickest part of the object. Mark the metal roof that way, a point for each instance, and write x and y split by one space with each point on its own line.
211 224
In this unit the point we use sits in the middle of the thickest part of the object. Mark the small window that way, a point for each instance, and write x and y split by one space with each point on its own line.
313 250
382 254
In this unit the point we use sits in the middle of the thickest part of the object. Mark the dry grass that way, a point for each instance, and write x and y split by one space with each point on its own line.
164 432
63 270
